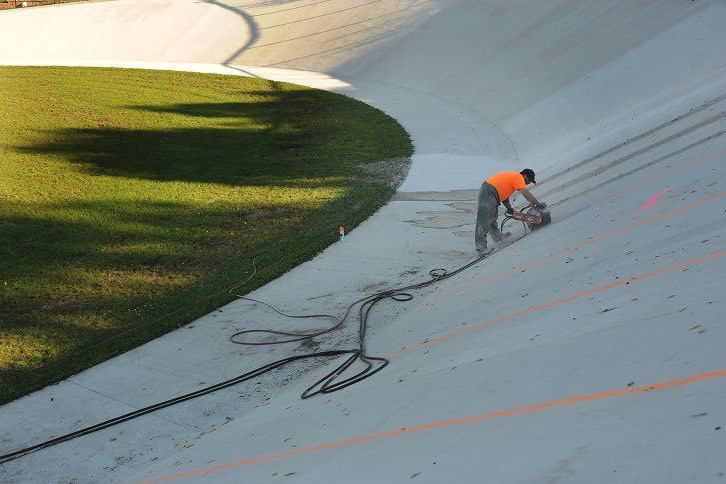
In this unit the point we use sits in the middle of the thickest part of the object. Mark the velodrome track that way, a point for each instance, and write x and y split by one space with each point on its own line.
589 350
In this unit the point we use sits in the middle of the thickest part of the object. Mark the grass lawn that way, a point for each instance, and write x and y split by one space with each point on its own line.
5 4
131 201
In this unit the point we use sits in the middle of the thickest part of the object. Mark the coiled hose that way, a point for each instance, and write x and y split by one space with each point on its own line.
326 384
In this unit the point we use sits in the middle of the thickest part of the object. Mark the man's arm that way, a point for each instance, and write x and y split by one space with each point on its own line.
506 203
530 198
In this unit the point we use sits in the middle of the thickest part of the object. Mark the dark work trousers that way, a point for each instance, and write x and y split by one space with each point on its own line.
486 217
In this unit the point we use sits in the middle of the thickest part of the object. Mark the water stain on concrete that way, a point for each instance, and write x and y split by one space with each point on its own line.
461 214
449 196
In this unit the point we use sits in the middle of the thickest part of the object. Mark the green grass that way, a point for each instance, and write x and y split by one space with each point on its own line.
18 3
34 3
132 200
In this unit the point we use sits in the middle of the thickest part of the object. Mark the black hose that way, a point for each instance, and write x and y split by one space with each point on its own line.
326 384
158 406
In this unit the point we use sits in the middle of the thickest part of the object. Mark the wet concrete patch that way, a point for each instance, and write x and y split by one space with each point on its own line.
450 196
459 215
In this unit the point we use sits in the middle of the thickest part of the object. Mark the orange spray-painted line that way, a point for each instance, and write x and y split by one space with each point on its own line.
571 249
558 302
452 422
615 195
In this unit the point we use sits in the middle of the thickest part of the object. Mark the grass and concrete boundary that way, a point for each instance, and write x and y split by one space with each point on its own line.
132 201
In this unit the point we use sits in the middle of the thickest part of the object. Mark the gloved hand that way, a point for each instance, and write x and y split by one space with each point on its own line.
541 205
510 211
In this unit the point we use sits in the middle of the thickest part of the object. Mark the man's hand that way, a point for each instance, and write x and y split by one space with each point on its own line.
508 205
540 205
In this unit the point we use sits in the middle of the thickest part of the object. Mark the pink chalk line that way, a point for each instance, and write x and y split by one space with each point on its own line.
651 201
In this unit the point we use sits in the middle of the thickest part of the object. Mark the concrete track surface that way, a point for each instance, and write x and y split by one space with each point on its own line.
591 350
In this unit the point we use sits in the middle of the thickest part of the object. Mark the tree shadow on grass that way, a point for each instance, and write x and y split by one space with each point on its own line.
292 139
67 301
288 139
229 157
80 271
104 234
75 274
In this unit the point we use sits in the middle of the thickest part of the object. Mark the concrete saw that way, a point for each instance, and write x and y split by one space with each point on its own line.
532 217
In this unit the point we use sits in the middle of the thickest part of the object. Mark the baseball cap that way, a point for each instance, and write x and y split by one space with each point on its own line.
529 173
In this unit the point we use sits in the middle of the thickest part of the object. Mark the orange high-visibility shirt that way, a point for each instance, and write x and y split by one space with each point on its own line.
506 183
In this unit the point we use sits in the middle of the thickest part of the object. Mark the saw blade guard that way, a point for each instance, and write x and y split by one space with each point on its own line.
543 213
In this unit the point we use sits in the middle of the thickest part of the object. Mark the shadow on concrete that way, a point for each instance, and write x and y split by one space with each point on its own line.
251 24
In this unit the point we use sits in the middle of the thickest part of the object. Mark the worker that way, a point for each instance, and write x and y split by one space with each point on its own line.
495 190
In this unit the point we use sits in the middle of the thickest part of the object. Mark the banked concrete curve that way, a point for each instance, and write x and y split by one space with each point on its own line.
591 349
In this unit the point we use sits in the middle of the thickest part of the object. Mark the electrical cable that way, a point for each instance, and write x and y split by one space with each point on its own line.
326 384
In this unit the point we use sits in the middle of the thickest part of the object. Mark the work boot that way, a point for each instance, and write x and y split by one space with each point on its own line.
484 251
500 236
